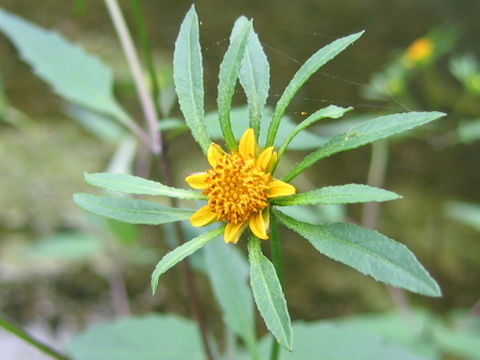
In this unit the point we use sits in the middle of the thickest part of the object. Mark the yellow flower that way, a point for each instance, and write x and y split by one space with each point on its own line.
419 51
238 187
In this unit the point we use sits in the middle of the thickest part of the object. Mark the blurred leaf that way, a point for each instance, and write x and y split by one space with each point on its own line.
458 343
344 194
467 70
330 341
368 252
171 124
149 337
188 76
132 211
181 252
318 59
136 185
268 294
101 126
331 111
468 131
239 118
467 213
254 75
227 80
362 134
124 157
226 270
66 246
126 233
73 73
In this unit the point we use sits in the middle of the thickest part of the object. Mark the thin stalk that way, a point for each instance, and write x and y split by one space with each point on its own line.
276 253
146 101
376 177
147 52
15 330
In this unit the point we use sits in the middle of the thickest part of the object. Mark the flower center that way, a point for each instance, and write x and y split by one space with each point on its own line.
236 188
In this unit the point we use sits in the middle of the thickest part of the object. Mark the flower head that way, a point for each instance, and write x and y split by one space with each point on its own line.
238 187
420 50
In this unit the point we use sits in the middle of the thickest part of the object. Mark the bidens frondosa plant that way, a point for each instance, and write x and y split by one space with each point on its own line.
238 188
241 190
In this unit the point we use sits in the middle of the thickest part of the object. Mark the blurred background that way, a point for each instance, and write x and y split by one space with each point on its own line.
62 269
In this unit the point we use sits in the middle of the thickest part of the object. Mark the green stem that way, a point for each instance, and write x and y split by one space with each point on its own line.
147 52
276 253
15 330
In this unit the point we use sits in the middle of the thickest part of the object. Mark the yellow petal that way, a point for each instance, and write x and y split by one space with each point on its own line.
247 147
264 158
202 217
214 153
258 225
272 162
197 180
279 188
234 231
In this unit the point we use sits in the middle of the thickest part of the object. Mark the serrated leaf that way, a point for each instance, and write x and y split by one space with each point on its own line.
73 73
227 79
368 252
181 252
132 211
343 194
332 111
254 75
136 185
318 59
370 131
150 337
188 77
268 295
225 267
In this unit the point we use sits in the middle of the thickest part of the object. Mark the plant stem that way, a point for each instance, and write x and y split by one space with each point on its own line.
376 177
15 330
276 253
146 101
147 52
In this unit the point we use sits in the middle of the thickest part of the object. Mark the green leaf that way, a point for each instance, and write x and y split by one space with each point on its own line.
132 211
239 117
181 252
362 134
188 77
268 294
332 111
150 337
66 246
368 252
226 270
318 59
254 75
469 214
73 73
227 79
344 194
136 185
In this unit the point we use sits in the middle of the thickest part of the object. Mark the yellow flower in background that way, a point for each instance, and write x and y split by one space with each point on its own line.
238 187
419 51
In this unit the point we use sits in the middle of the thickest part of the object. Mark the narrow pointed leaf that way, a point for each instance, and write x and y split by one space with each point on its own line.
131 211
317 60
181 252
369 131
226 270
73 73
368 252
332 112
343 194
268 295
254 75
136 185
188 77
227 79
